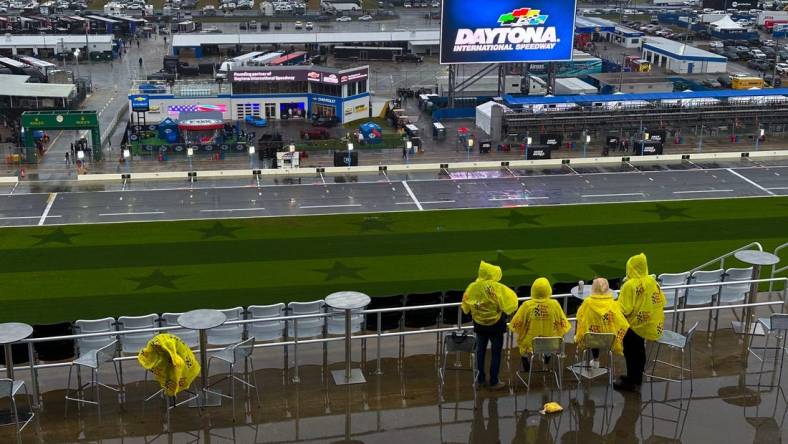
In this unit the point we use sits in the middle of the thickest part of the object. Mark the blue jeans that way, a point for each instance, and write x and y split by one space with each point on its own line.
496 341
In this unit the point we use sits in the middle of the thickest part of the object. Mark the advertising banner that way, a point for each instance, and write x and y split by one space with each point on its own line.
140 103
507 31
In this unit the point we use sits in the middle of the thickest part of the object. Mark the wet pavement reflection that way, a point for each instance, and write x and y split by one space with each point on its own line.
404 405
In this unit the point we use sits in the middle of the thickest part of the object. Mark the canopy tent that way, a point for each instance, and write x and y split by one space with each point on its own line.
484 115
725 24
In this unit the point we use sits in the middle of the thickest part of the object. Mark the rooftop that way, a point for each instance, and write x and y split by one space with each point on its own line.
17 86
416 37
52 40
680 50
715 94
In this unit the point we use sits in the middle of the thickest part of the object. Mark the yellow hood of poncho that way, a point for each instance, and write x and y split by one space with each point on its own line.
642 301
171 361
539 316
486 298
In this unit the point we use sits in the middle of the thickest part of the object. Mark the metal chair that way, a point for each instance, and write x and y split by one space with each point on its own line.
335 323
583 370
93 360
190 337
457 342
228 334
702 296
9 388
734 293
132 343
674 297
777 323
85 345
240 353
308 327
675 341
552 346
269 330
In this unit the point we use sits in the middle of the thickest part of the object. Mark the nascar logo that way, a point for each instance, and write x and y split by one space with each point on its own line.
520 29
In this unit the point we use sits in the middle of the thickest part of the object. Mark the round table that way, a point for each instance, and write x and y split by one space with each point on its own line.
587 292
201 320
757 259
348 301
11 332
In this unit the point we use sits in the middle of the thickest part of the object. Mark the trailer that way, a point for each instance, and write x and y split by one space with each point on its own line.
265 59
294 58
382 53
235 62
573 86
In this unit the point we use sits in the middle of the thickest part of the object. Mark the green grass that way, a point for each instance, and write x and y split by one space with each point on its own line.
85 271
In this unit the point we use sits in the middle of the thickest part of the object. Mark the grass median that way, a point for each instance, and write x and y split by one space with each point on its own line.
51 274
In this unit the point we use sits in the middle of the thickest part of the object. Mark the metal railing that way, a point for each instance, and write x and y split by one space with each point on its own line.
721 259
34 367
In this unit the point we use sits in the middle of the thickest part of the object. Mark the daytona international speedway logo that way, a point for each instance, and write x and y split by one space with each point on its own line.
520 29
522 17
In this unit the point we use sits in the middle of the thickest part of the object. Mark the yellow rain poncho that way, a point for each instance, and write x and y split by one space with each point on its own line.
642 301
171 361
600 314
486 298
538 316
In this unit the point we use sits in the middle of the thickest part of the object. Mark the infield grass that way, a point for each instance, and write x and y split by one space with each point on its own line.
50 274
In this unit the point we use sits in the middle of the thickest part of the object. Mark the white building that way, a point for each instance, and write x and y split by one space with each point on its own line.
681 58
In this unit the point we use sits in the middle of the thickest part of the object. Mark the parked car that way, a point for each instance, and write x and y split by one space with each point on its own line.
344 18
725 81
712 83
365 18
309 26
325 122
298 25
315 133
413 58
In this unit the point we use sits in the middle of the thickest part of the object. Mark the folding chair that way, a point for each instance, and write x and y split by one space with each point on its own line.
583 369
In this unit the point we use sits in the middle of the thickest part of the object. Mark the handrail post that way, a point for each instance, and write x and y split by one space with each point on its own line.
31 357
296 379
378 371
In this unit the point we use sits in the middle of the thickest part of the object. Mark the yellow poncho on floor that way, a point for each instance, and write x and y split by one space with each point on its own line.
486 298
642 301
171 361
600 314
538 316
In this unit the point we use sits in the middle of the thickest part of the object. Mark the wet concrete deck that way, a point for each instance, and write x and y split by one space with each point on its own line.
404 405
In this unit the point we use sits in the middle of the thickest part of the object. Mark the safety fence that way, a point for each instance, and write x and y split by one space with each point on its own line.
34 367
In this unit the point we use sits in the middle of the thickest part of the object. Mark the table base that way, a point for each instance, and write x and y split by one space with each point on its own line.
7 417
356 377
207 398
756 329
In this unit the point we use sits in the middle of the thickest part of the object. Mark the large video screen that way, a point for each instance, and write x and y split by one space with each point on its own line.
507 31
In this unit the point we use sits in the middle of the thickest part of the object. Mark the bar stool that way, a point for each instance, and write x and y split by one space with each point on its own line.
93 360
583 370
675 341
778 323
9 389
240 353
457 342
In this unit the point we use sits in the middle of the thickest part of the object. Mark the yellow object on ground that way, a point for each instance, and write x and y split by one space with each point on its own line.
171 361
600 314
539 316
486 298
551 407
642 301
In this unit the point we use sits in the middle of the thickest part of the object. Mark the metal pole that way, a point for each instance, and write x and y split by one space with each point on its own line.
746 321
379 371
204 365
700 140
9 361
296 379
347 345
31 358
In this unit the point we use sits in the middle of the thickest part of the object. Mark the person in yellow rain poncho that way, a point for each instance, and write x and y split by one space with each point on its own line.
599 313
643 303
489 302
171 361
539 316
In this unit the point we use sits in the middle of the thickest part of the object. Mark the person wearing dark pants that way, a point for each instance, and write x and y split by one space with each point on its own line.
490 303
642 303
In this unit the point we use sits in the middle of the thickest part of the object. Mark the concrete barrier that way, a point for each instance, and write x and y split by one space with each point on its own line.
493 164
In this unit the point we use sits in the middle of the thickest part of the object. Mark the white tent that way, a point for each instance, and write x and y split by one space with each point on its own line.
725 24
484 115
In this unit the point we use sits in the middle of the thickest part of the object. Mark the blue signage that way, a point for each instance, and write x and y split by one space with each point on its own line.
139 103
507 31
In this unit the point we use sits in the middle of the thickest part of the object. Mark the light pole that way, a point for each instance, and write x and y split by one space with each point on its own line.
643 143
527 143
700 140
586 141
758 136
251 157
349 154
408 147
127 160
470 147
76 57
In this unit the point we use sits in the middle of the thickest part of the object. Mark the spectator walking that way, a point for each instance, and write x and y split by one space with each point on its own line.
490 303
68 160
